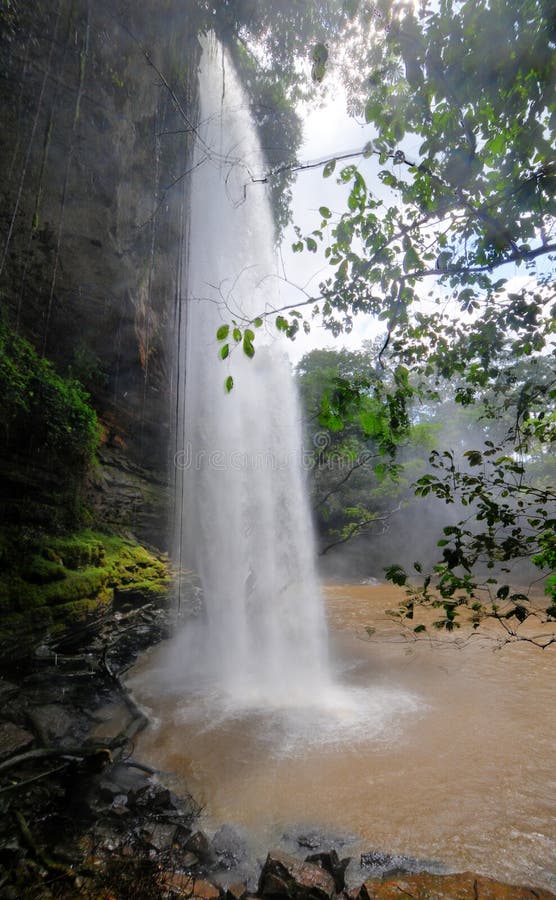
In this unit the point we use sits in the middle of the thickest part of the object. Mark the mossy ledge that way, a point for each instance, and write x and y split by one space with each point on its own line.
54 586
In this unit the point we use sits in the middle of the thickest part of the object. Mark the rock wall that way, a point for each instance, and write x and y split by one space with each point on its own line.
96 100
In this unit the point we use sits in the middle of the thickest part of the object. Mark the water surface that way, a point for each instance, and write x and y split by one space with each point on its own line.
422 749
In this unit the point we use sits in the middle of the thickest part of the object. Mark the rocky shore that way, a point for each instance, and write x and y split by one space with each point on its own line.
82 816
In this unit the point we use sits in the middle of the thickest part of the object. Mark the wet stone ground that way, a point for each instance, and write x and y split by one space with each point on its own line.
81 816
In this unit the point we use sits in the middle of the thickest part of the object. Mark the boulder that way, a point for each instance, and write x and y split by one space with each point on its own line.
199 844
52 722
152 797
464 886
203 890
159 835
331 862
285 876
7 690
13 739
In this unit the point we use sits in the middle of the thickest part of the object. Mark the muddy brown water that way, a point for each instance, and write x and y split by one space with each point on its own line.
429 749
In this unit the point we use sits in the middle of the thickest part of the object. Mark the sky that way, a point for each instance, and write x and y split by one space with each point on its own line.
328 131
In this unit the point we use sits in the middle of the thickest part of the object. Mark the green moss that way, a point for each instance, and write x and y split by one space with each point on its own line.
86 584
53 584
70 615
77 551
44 571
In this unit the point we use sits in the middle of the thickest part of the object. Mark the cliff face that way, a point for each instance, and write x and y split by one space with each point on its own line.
96 101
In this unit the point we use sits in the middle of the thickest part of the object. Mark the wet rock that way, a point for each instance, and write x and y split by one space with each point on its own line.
331 862
229 846
160 835
183 809
151 797
199 844
189 860
121 779
13 739
464 886
7 690
286 876
119 805
236 891
378 864
311 841
205 890
317 841
188 886
52 722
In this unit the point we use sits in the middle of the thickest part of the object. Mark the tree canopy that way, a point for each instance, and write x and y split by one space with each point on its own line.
448 239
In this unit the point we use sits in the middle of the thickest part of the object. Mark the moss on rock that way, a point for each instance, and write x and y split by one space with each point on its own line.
55 584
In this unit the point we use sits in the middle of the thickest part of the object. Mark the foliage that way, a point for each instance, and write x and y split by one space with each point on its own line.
456 191
355 430
42 412
282 52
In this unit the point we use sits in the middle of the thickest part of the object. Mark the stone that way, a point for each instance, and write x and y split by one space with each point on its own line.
229 846
160 835
311 841
119 805
236 891
152 797
121 779
285 875
331 862
188 886
464 886
178 884
182 836
13 739
378 864
204 890
52 721
7 689
199 844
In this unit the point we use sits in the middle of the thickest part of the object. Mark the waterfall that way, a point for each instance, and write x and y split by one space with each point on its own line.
243 520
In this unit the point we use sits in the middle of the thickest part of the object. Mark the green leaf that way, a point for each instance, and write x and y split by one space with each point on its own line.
396 574
248 348
224 351
257 322
411 260
419 629
325 212
237 335
222 332
329 168
229 383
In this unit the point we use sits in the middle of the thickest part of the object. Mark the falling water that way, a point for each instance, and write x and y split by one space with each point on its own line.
244 519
